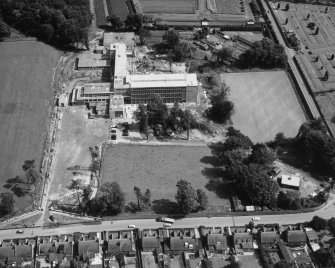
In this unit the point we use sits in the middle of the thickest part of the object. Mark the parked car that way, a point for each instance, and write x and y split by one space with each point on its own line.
167 225
113 131
131 226
256 218
20 231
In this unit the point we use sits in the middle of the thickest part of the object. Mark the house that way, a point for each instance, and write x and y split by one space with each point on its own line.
87 249
24 252
6 253
243 242
63 100
120 242
290 182
151 241
236 204
217 243
175 245
269 239
295 238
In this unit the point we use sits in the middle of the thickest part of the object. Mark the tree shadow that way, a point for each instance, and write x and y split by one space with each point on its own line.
221 188
333 119
212 160
212 173
165 206
18 186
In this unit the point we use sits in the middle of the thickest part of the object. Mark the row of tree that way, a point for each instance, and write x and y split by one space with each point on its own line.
63 22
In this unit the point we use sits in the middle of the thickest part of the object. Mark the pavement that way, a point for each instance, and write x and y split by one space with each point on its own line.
326 212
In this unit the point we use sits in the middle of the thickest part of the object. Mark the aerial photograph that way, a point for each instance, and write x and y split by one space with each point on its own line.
167 133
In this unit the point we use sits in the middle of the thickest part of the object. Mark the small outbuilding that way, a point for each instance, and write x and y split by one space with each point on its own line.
290 181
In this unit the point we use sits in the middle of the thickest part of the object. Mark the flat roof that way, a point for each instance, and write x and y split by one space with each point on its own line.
290 180
120 61
115 37
161 80
92 88
93 60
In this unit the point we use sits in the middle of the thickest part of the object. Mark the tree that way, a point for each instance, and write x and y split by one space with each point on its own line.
186 197
76 185
110 200
7 203
182 51
135 21
222 55
222 109
264 54
171 37
202 199
318 223
147 196
236 140
115 21
144 34
143 201
261 154
289 200
138 196
4 30
31 174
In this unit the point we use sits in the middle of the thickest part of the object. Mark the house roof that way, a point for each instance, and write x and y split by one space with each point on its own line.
243 240
269 237
179 243
311 235
85 248
219 241
296 236
119 245
45 248
150 242
290 180
6 252
91 88
65 247
24 251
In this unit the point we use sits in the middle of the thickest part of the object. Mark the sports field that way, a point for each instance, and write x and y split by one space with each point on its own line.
170 6
265 104
25 81
118 8
159 168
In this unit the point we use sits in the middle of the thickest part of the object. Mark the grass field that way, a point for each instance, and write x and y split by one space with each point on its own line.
159 168
171 6
25 81
99 13
118 8
265 104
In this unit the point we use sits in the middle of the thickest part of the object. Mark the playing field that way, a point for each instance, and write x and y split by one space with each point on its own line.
25 81
265 104
159 168
170 6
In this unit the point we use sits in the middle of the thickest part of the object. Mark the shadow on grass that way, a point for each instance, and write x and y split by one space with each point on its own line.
212 160
165 206
19 187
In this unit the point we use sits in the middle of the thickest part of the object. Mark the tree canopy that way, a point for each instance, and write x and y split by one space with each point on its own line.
182 51
115 21
63 23
222 109
7 203
172 38
264 54
4 30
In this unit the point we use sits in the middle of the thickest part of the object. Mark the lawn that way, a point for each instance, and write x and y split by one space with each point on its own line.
265 104
25 80
170 7
118 8
159 168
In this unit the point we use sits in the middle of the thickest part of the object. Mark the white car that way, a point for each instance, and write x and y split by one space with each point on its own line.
167 225
256 218
131 226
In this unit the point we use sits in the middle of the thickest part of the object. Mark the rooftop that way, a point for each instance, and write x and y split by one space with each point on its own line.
91 60
115 37
218 241
92 88
120 59
161 80
6 252
296 236
290 180
119 245
269 237
151 242
87 248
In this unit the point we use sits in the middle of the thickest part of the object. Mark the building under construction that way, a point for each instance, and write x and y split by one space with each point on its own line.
133 89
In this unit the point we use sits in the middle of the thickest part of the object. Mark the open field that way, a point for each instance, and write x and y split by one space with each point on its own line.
25 80
265 104
170 6
99 13
159 168
118 8
229 7
77 135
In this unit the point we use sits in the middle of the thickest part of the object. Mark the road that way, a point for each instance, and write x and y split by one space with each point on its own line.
327 211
